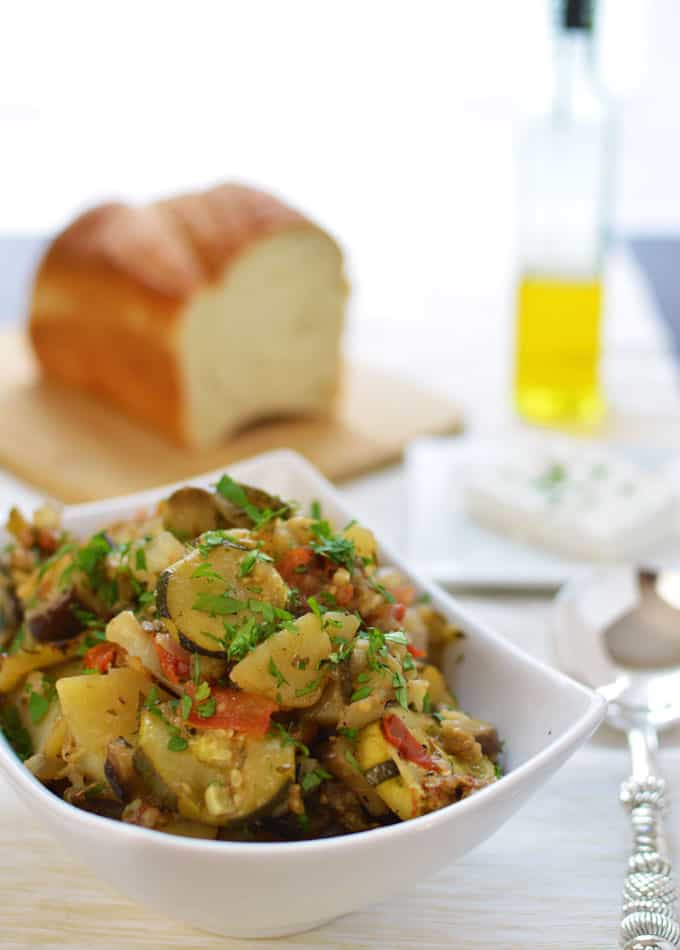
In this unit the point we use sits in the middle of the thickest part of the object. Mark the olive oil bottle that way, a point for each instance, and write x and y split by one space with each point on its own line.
563 190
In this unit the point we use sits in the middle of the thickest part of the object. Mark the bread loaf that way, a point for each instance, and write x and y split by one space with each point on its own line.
194 315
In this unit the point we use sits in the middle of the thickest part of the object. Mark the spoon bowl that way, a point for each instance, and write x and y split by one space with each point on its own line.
618 630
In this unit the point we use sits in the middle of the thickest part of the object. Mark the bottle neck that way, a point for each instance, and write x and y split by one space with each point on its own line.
576 92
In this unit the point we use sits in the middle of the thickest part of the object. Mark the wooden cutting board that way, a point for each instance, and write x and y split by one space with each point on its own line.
75 449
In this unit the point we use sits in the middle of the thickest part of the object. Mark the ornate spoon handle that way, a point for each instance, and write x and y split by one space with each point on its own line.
649 919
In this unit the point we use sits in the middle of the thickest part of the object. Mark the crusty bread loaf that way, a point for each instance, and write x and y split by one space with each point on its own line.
194 315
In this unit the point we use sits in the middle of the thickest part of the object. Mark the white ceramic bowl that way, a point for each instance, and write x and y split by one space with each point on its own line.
266 890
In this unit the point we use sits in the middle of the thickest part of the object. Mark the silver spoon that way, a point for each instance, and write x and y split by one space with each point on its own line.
618 630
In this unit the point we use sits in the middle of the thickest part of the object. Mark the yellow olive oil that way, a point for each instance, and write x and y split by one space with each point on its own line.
558 350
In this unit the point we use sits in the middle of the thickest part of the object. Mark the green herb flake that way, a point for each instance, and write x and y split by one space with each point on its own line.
315 510
362 693
428 708
279 731
250 560
186 706
351 759
312 780
202 692
206 570
277 674
335 547
94 790
309 687
38 707
15 733
207 709
315 607
177 744
383 591
140 559
218 605
498 771
400 690
348 733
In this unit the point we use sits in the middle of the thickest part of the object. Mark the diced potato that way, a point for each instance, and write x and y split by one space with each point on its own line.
338 624
437 688
99 709
127 632
286 667
365 544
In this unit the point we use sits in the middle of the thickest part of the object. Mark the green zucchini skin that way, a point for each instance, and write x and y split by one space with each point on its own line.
381 772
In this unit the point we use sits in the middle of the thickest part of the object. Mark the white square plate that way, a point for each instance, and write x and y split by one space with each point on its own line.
446 543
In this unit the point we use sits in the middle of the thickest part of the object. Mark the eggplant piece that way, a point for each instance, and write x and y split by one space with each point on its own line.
191 511
119 769
198 606
338 756
233 516
219 779
57 619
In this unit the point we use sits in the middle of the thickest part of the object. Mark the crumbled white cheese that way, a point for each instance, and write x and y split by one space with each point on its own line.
574 500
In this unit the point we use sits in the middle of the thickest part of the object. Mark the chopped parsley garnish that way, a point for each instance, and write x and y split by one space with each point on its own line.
407 662
140 559
333 546
17 640
278 731
315 510
207 709
38 707
312 780
383 591
237 495
351 759
240 641
361 694
428 708
63 549
214 539
221 605
15 733
202 692
308 687
93 790
177 743
397 636
206 570
186 706
276 673
348 733
250 560
498 771
303 822
315 607
400 690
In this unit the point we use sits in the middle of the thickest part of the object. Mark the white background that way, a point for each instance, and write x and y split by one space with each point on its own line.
392 122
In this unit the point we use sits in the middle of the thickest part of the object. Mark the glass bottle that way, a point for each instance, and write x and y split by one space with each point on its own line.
564 169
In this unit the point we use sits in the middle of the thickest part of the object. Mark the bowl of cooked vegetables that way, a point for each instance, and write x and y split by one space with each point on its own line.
242 710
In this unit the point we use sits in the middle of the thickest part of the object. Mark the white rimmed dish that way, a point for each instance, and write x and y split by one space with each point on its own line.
267 890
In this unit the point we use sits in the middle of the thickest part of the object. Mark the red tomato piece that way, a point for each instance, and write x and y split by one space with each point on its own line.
398 611
397 734
174 659
344 595
404 594
100 657
415 652
294 562
242 712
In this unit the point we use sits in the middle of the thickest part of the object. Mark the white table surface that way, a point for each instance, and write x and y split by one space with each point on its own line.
552 877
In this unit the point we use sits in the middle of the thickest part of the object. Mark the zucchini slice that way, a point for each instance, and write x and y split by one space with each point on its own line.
190 511
220 779
202 591
415 791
